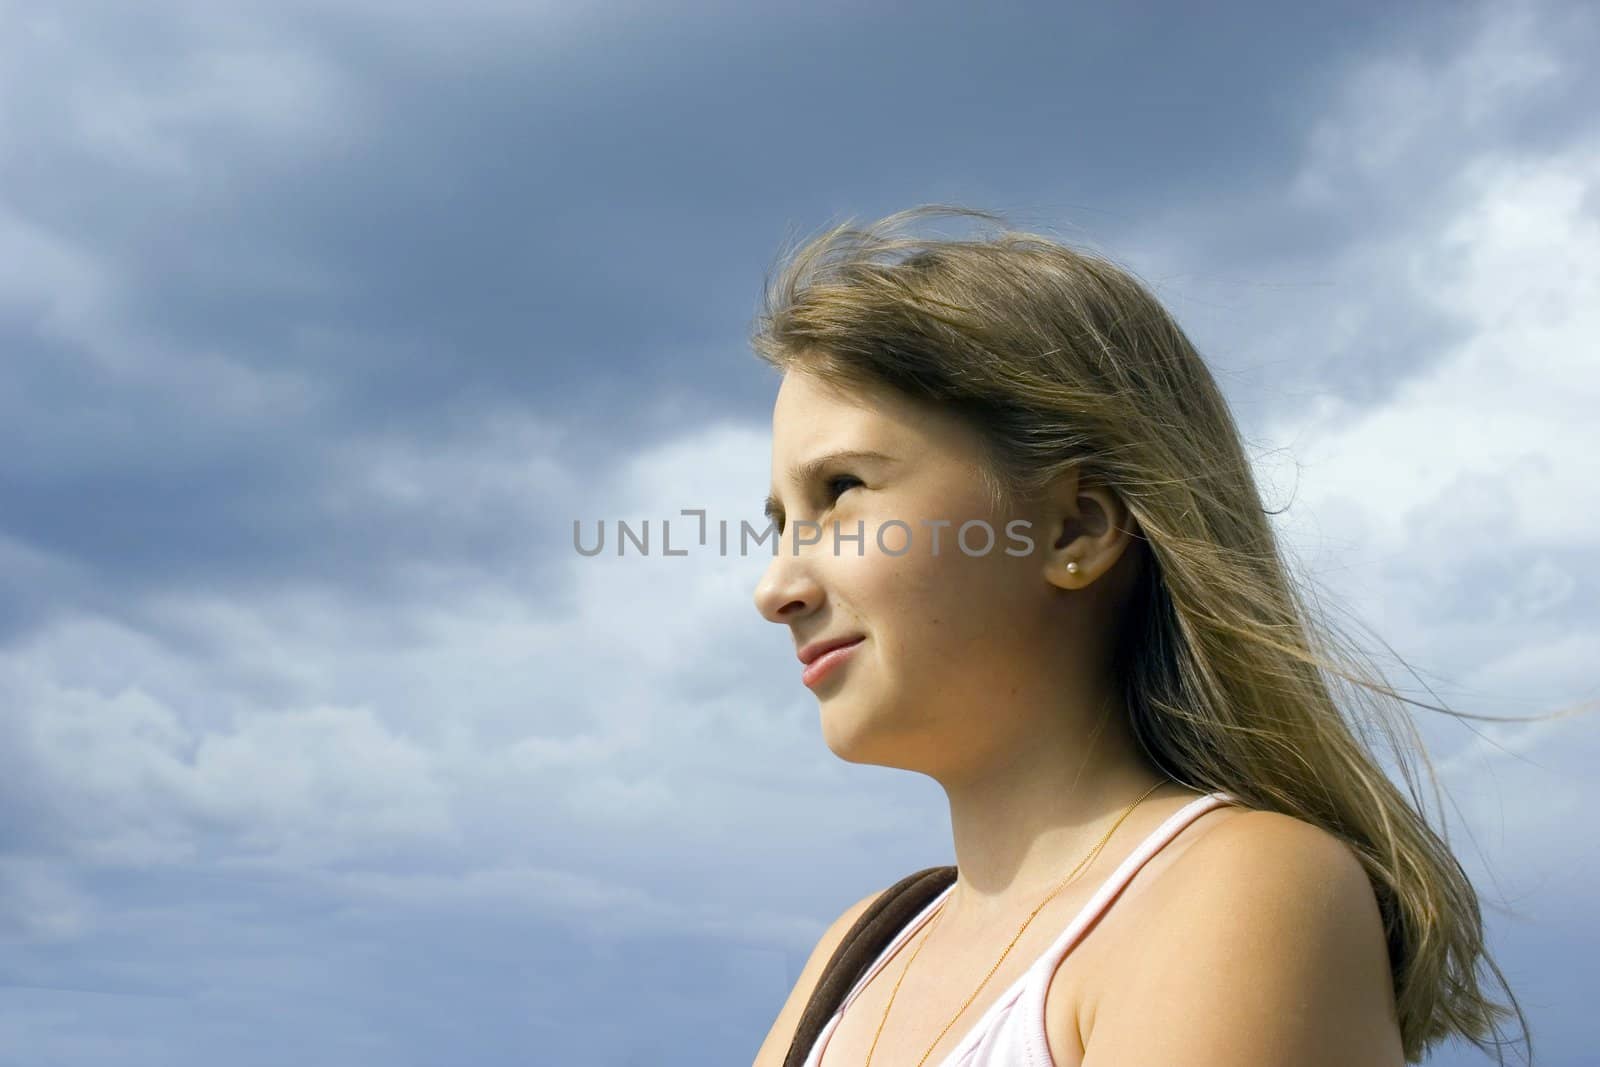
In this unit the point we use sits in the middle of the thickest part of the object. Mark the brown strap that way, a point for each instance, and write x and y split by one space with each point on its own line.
860 948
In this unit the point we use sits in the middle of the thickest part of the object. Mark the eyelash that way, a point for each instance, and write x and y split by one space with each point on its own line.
835 480
828 484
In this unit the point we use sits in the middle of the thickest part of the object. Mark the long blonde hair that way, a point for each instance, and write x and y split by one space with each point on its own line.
1057 358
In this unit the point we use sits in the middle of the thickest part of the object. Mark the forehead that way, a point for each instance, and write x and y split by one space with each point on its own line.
811 414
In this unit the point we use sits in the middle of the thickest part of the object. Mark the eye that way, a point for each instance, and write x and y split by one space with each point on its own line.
833 485
833 488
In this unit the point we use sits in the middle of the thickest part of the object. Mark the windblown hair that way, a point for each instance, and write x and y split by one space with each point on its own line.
1057 357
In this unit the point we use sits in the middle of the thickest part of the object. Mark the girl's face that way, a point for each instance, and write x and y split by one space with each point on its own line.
958 646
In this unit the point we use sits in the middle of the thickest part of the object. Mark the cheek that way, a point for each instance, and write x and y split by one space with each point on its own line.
929 606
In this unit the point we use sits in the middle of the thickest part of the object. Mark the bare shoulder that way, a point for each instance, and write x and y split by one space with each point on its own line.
1284 871
1275 846
776 1046
1268 946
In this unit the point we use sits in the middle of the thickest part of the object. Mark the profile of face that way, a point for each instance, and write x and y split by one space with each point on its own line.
962 652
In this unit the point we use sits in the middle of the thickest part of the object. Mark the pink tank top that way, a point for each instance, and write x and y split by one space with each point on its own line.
1011 1033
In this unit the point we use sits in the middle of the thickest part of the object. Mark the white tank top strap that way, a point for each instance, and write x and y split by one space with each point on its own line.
1027 994
1113 886
887 954
1038 978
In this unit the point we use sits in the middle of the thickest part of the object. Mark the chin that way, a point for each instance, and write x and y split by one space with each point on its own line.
855 733
846 729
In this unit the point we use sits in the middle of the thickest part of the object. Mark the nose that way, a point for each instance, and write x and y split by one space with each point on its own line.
787 590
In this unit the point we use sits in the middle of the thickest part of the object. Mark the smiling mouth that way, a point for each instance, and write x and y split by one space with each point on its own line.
825 664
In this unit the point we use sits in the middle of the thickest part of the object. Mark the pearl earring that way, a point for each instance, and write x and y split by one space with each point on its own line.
1072 567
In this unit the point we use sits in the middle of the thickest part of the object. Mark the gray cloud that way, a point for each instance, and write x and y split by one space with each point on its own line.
322 322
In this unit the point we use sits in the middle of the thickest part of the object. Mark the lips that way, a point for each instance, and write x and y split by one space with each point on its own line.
817 648
828 660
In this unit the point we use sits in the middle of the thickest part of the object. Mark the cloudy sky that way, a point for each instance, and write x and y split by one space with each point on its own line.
321 323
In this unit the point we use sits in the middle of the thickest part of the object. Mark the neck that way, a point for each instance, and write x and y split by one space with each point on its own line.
1021 825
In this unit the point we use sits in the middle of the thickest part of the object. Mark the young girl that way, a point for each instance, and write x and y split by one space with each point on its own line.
1021 551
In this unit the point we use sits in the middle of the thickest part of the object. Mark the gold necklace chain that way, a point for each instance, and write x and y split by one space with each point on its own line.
1093 852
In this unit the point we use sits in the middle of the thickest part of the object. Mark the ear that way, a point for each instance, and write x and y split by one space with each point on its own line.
1090 524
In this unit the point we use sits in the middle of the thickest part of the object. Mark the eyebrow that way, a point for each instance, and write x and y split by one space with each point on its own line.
803 473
